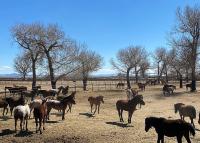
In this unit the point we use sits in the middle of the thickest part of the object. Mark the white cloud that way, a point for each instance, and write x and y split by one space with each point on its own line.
105 71
6 70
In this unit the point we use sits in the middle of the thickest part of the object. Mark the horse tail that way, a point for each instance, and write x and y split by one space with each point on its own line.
191 129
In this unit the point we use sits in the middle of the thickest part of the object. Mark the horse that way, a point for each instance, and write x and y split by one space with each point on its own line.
64 90
97 101
40 113
168 90
21 112
13 102
128 105
141 86
4 105
131 93
46 93
171 86
189 85
185 111
120 85
60 105
170 128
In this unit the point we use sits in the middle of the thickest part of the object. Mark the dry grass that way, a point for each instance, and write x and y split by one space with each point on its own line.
105 127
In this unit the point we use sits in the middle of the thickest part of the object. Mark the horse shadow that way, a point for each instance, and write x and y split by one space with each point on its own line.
6 132
4 118
120 124
52 122
24 134
89 115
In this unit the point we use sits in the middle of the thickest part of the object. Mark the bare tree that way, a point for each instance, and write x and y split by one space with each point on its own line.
186 34
25 35
89 62
129 58
22 64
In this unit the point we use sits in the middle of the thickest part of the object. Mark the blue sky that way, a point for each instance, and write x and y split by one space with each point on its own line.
105 25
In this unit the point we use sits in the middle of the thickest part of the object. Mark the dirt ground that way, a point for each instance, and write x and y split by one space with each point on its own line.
80 127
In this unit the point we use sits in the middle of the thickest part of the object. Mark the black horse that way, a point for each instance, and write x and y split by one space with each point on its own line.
170 128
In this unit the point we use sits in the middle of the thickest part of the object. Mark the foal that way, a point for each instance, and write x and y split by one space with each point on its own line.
40 113
97 101
170 128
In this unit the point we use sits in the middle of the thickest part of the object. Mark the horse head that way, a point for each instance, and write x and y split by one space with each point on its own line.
147 124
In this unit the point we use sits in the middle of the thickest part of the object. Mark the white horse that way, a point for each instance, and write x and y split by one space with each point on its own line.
21 112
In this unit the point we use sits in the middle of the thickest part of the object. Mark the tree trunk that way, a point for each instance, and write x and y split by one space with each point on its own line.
85 84
136 75
158 72
128 78
51 70
193 88
187 78
34 73
181 81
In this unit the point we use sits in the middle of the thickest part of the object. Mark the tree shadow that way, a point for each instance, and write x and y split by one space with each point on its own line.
6 132
197 129
120 124
4 118
89 115
24 133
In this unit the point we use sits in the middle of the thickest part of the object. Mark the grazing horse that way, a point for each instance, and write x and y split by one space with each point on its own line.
97 101
171 128
189 85
120 85
185 111
40 113
60 105
129 106
141 86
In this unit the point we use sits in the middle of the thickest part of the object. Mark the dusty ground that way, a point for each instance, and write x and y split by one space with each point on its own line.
79 127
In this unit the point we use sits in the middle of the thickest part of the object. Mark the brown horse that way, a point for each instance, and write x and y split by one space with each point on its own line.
97 101
120 85
60 105
128 105
170 128
189 85
40 113
141 86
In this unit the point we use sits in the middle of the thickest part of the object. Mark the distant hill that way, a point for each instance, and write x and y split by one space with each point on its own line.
11 75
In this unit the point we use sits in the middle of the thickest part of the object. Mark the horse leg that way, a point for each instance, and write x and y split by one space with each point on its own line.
3 111
11 109
119 114
44 123
36 123
122 116
48 112
21 120
95 109
91 107
63 115
179 139
160 138
27 124
40 124
30 113
187 137
129 116
98 108
192 122
15 124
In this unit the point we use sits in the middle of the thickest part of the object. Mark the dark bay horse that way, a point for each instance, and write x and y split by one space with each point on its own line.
171 128
60 105
120 85
128 105
95 101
